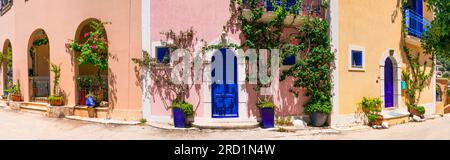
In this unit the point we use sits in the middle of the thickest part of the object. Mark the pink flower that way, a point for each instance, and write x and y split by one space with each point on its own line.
86 35
94 47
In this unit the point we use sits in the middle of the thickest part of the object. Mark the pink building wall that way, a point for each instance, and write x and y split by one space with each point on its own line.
207 18
60 19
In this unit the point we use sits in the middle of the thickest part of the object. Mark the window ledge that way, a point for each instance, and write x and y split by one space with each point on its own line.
357 70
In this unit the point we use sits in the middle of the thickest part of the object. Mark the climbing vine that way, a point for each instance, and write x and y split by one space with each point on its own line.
314 67
246 15
416 76
310 44
95 49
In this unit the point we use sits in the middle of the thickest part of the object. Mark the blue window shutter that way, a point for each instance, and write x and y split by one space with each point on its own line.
269 6
161 54
290 60
357 59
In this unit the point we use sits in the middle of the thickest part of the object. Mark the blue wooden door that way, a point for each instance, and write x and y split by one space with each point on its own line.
388 84
224 88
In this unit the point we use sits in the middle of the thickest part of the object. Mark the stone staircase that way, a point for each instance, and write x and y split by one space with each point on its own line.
34 107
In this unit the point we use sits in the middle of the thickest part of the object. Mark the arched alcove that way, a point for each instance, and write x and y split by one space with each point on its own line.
39 66
85 73
7 70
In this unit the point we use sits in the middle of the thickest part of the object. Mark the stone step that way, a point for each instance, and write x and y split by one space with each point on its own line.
34 107
226 125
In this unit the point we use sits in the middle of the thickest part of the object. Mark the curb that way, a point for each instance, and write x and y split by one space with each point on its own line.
157 125
103 121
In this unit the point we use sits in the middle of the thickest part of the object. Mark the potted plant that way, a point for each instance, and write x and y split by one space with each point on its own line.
84 84
16 94
372 109
56 99
91 103
181 111
416 110
267 110
318 112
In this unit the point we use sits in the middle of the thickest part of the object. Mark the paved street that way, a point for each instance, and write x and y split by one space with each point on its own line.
28 126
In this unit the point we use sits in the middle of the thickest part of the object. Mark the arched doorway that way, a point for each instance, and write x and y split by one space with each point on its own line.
39 66
7 70
224 90
89 77
388 83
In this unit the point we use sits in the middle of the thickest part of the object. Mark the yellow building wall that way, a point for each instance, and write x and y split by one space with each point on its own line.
374 25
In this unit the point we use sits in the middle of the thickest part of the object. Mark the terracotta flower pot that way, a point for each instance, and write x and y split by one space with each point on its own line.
16 98
92 113
378 121
414 112
57 102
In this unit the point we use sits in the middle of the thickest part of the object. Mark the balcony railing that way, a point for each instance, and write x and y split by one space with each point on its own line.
415 23
307 6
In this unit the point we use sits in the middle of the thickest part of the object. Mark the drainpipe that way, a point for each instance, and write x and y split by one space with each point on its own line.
146 46
334 32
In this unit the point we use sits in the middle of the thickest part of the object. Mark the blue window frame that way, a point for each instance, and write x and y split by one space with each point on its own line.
357 59
162 55
290 60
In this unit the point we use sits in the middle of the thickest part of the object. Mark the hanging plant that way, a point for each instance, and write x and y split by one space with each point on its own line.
94 50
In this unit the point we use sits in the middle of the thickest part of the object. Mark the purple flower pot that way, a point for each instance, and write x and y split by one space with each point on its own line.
179 118
267 117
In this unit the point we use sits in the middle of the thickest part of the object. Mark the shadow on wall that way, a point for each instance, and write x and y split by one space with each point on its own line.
290 105
167 90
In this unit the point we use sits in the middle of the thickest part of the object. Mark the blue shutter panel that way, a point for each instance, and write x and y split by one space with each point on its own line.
161 54
290 60
357 59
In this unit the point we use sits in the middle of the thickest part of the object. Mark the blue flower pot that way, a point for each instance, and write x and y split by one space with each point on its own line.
179 118
267 117
90 102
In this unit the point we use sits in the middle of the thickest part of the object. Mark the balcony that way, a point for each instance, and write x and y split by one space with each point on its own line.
5 6
415 23
308 7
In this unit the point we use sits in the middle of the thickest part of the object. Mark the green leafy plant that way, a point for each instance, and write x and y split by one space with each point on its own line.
53 98
437 39
56 97
284 121
313 71
16 89
420 109
94 50
187 108
318 107
372 108
416 76
40 42
266 104
142 121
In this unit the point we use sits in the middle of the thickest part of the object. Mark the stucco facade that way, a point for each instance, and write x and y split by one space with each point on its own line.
375 27
60 20
370 26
